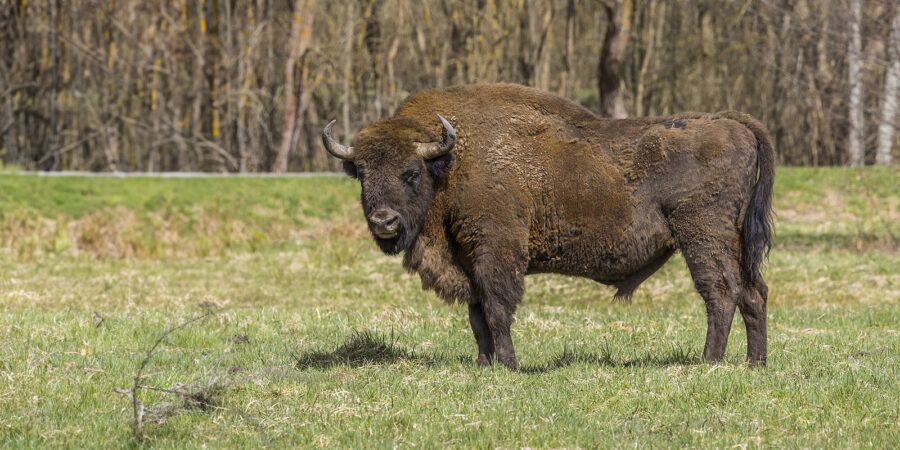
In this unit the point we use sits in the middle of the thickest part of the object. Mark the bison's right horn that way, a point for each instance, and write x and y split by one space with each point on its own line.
334 147
437 149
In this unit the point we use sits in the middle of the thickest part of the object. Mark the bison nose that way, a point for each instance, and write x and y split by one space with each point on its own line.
385 223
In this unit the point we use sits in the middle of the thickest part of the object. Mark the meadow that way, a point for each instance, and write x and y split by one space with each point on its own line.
309 336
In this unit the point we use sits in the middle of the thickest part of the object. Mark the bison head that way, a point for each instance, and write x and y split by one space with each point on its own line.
398 162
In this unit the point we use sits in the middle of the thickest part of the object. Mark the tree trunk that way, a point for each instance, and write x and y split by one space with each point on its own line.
246 74
301 33
424 47
650 43
197 81
891 84
568 74
545 48
348 69
526 64
54 86
372 41
7 48
389 60
855 153
609 70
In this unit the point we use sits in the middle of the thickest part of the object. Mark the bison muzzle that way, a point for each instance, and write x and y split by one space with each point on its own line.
481 185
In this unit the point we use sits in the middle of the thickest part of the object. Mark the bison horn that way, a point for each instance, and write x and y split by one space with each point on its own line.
433 150
334 147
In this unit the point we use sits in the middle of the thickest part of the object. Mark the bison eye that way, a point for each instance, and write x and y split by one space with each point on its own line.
411 178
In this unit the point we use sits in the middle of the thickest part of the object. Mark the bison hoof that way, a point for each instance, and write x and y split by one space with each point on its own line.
510 362
757 363
483 360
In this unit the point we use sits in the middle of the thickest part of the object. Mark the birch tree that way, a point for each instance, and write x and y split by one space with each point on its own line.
294 107
246 85
856 155
52 145
891 84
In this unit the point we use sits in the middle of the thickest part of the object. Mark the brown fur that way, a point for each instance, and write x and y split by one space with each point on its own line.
537 183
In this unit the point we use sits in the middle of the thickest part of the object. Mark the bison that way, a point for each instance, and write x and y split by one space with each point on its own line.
481 185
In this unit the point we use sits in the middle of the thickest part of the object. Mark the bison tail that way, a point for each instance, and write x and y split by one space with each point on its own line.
756 238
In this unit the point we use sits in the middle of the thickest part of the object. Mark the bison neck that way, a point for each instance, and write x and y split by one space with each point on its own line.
433 257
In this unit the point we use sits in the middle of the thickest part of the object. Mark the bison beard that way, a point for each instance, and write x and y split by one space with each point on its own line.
536 183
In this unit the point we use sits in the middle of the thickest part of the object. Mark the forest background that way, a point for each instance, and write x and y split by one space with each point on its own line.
247 85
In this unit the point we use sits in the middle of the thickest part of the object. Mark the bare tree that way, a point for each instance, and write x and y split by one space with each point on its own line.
301 36
545 48
244 85
8 25
348 69
609 70
567 76
891 84
52 146
855 153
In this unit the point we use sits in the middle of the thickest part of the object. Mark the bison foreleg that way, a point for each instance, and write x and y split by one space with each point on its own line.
500 287
499 320
482 334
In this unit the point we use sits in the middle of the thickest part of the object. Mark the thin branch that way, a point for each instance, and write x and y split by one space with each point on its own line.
135 402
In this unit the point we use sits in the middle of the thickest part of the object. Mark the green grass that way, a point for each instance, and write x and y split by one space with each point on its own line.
242 198
319 340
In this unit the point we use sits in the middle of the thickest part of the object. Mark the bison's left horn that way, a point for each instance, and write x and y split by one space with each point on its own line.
334 147
433 150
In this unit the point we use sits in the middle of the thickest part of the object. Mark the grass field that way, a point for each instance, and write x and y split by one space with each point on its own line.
314 338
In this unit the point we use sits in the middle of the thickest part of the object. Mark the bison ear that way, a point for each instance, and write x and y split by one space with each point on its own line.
439 167
350 169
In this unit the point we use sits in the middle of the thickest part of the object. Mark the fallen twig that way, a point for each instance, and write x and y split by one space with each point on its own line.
136 404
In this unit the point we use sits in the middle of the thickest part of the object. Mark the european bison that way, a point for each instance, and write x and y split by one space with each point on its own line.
517 181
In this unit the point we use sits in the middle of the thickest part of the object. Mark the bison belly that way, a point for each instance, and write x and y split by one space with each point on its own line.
592 224
585 250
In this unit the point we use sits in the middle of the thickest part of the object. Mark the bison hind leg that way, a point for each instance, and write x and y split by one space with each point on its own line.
627 286
753 310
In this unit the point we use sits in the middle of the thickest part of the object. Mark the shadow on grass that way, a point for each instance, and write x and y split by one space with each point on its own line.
368 348
677 356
